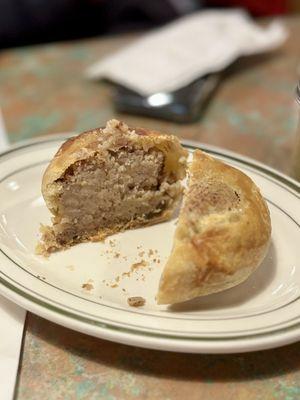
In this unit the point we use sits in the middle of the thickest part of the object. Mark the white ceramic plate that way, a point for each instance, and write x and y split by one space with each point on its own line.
86 287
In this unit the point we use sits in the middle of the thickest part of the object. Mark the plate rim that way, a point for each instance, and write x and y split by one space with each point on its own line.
159 341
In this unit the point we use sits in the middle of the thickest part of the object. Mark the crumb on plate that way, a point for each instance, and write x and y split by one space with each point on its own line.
136 301
150 253
87 286
138 265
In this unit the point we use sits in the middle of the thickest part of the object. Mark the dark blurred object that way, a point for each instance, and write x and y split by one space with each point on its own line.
183 105
35 21
25 22
256 7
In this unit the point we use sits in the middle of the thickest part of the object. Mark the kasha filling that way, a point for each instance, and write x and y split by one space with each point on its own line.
110 189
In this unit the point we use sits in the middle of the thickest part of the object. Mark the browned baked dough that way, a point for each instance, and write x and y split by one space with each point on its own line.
222 234
107 180
224 225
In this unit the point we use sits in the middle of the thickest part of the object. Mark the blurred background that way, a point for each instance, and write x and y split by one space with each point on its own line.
46 47
25 22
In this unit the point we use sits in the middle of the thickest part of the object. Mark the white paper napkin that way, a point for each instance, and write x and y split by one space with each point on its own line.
12 324
12 319
175 55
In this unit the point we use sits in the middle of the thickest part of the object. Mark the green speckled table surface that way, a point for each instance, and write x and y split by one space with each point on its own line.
43 91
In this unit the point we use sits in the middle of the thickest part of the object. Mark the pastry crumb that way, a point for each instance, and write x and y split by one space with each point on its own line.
88 285
136 301
138 265
150 253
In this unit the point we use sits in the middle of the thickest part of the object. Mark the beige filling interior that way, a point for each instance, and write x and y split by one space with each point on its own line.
111 188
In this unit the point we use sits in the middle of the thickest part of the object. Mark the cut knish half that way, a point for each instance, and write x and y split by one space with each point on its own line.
222 234
108 180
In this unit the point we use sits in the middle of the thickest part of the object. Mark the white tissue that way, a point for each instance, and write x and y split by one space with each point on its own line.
12 319
175 55
12 324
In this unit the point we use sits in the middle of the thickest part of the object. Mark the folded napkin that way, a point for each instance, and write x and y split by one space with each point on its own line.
12 324
12 319
173 56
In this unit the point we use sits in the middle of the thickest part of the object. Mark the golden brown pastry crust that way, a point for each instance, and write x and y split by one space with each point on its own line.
222 234
86 145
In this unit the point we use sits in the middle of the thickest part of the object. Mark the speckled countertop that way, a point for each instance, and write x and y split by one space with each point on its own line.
43 91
